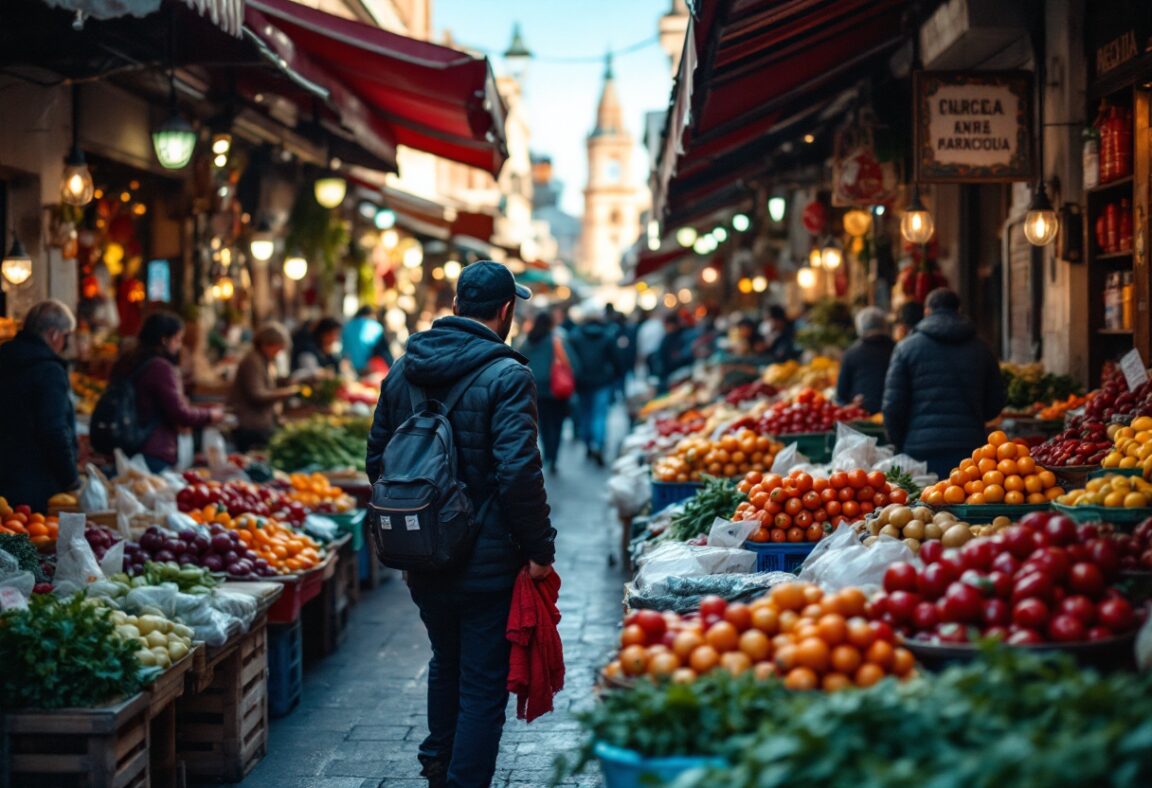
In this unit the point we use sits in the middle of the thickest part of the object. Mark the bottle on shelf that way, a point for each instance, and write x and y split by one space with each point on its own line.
1111 228
1127 294
1090 154
1123 143
1124 229
1112 305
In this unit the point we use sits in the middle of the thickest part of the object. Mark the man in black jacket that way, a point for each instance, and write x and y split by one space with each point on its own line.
865 364
595 344
943 385
466 610
37 419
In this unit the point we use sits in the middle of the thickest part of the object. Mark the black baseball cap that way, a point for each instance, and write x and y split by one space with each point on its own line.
488 282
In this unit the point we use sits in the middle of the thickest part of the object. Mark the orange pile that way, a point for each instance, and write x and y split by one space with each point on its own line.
41 530
315 489
809 639
730 456
286 550
999 472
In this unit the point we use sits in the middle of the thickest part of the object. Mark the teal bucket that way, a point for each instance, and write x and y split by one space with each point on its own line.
629 769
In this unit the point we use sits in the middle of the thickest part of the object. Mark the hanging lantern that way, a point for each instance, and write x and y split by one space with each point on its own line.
917 225
777 206
16 267
174 141
686 237
330 190
1041 224
806 277
262 245
857 223
76 187
815 258
831 256
295 268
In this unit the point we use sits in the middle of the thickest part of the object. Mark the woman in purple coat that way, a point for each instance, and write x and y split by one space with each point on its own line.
161 407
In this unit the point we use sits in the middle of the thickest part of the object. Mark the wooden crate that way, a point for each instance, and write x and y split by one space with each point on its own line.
222 730
162 697
95 748
325 616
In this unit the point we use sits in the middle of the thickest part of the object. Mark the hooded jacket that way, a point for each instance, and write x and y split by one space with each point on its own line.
37 421
863 370
494 424
943 385
596 355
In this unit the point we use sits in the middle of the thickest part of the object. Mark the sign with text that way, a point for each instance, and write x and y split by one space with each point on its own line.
1135 373
974 126
1118 35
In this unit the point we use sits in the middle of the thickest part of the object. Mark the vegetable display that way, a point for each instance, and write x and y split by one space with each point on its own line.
796 507
27 556
240 498
284 550
1084 442
1026 385
40 529
1113 491
61 653
810 411
999 472
159 642
214 548
718 498
1041 581
320 443
1132 446
917 525
319 494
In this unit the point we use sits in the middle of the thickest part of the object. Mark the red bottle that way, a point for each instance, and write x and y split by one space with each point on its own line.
1111 228
1123 143
1124 231
1101 235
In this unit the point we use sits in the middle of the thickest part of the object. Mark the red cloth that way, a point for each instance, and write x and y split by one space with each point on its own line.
536 666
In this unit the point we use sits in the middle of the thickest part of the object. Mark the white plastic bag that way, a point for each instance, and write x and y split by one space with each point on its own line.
725 533
629 490
16 584
854 449
185 450
841 560
788 458
216 452
94 496
679 559
76 564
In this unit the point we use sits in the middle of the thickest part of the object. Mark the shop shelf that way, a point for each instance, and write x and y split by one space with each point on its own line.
780 556
628 769
664 494
1114 256
1119 183
1114 332
285 668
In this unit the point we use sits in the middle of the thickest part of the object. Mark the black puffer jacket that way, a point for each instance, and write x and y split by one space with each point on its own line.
37 421
943 385
598 354
495 429
863 370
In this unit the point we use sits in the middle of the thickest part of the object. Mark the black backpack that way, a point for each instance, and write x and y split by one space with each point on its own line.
115 422
420 515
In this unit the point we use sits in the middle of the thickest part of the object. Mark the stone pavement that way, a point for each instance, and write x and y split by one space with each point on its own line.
362 713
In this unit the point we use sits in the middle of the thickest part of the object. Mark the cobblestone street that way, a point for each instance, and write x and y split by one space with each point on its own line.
362 713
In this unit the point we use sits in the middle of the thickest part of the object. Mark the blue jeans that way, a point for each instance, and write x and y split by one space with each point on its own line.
593 405
467 681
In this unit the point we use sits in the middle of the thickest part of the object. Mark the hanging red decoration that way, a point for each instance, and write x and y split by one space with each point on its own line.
815 217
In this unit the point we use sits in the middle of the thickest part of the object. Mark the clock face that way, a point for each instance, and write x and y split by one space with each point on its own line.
612 171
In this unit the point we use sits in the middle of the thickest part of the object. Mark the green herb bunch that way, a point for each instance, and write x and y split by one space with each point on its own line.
27 556
901 478
63 653
717 498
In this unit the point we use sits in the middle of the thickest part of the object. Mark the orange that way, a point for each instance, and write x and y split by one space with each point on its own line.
1032 484
972 472
787 620
879 653
1047 478
766 619
36 517
997 438
703 659
785 656
988 452
985 465
1013 497
801 679
846 659
812 593
685 643
1052 493
789 596
974 487
1013 484
735 662
993 477
813 653
966 463
36 528
1007 467
756 645
833 629
954 494
934 498
860 633
1036 498
993 493
722 636
834 682
1006 451
1026 465
902 662
869 674
957 478
851 602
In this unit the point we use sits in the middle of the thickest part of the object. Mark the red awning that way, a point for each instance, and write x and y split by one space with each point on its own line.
434 98
753 67
649 262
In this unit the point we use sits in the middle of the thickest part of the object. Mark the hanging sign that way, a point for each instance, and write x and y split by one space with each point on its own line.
973 126
1118 35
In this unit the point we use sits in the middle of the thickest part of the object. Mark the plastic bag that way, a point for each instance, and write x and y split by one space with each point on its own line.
854 449
678 559
216 452
94 496
214 617
684 594
185 450
113 560
629 490
841 560
320 526
787 459
127 509
76 564
16 584
179 521
725 533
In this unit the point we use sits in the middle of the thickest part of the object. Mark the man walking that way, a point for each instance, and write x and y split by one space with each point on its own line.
494 424
943 385
37 419
597 352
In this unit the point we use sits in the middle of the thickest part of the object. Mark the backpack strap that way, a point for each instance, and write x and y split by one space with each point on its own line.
419 397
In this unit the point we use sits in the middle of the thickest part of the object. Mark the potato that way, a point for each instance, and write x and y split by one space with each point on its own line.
871 540
913 545
882 515
874 527
944 518
957 536
128 631
933 530
901 516
146 658
891 530
914 530
1002 522
156 639
176 650
922 513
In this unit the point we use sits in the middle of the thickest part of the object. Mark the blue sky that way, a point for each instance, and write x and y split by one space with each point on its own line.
562 96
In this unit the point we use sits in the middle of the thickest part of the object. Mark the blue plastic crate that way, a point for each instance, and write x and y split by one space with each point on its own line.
780 556
664 494
628 769
285 668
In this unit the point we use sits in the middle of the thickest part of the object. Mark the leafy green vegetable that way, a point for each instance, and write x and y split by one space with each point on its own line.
1009 718
321 443
63 653
717 498
900 477
27 556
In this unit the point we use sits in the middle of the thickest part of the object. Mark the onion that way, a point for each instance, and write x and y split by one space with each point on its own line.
164 555
221 543
231 557
213 563
241 568
185 559
176 547
202 543
188 535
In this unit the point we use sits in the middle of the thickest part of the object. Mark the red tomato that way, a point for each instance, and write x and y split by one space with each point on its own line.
814 533
1086 579
901 576
793 507
925 617
858 479
713 605
1067 629
931 551
1079 607
961 604
996 613
795 534
865 493
898 496
1116 614
803 482
779 534
934 580
803 519
1030 614
851 510
833 508
811 500
902 604
1025 637
838 479
877 479
782 522
846 494
652 623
